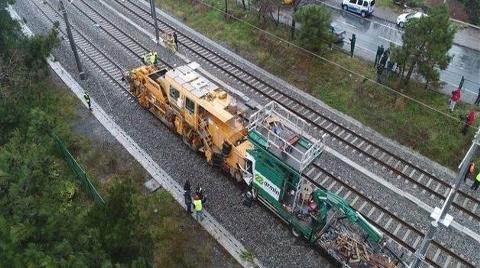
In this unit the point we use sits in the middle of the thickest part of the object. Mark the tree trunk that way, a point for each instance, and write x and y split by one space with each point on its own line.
244 6
278 15
409 74
292 29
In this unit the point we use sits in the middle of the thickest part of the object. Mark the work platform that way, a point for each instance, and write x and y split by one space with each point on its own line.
285 135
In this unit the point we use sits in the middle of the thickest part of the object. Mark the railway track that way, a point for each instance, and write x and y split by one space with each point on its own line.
100 60
464 203
398 231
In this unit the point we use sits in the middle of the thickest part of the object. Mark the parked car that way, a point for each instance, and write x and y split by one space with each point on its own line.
362 7
338 34
405 17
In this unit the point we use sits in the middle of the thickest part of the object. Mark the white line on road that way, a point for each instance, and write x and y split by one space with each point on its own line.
351 25
390 41
213 227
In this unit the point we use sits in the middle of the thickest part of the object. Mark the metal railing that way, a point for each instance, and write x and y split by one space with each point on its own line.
79 172
295 124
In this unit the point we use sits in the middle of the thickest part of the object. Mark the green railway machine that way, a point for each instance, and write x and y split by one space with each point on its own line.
282 149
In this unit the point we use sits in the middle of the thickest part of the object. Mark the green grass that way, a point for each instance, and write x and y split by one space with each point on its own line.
178 240
432 134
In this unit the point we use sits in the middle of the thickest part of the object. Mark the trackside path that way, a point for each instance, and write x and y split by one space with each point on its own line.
213 227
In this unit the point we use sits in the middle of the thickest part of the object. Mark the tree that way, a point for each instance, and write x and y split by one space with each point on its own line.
266 8
425 47
120 229
314 33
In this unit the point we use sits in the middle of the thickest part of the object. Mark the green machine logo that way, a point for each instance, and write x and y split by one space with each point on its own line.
267 185
259 178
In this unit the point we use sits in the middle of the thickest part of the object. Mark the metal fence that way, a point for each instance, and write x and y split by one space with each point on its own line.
79 172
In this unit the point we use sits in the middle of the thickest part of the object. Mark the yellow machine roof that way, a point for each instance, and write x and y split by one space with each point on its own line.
200 87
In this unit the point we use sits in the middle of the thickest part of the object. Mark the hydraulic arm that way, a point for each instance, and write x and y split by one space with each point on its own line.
326 200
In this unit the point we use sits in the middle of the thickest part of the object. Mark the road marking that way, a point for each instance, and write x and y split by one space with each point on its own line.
351 25
227 240
390 41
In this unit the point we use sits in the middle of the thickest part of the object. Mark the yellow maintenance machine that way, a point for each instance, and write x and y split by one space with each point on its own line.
208 119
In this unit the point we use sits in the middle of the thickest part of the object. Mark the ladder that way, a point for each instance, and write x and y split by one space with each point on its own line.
204 135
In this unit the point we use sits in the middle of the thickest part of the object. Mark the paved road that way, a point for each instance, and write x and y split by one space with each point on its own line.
371 33
374 31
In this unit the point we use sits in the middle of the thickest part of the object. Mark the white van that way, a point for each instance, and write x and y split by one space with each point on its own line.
362 7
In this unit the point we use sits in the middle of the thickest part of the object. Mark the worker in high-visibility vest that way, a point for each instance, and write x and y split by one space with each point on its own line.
476 183
150 58
198 206
170 43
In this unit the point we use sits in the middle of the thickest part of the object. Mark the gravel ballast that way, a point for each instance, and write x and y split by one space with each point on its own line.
275 246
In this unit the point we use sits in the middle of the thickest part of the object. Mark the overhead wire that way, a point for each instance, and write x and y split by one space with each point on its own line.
365 78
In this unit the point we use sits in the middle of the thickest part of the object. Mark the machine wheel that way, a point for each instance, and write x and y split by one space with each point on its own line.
364 14
294 231
345 7
401 24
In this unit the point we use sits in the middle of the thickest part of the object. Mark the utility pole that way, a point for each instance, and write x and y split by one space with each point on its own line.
440 215
154 17
72 42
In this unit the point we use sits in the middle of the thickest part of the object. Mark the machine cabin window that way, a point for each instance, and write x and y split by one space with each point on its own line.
174 93
190 105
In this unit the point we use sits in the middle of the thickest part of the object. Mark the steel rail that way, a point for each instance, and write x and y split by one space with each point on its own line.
91 56
397 229
428 182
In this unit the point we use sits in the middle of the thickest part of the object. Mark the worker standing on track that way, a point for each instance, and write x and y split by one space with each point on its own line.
476 183
150 58
170 42
175 38
197 204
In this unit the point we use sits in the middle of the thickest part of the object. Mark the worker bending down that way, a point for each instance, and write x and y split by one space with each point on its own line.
150 58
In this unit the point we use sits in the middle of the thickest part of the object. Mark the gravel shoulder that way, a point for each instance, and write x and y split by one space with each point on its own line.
255 227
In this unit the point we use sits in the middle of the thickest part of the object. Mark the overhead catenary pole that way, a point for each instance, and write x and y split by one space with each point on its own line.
72 41
154 17
440 218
